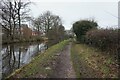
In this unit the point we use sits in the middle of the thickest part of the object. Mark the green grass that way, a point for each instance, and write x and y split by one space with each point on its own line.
105 69
75 60
39 64
93 58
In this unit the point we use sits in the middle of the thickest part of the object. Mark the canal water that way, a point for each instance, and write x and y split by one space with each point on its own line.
17 55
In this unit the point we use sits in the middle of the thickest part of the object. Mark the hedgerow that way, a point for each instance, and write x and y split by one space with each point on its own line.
105 39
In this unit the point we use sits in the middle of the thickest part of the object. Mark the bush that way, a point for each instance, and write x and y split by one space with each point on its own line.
104 39
81 27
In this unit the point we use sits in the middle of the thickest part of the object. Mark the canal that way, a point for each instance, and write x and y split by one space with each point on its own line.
17 55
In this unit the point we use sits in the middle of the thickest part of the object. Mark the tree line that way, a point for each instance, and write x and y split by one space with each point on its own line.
50 24
14 13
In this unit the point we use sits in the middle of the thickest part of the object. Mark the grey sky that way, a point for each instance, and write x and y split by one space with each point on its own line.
105 13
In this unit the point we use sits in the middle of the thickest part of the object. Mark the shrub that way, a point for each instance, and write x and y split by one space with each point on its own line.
105 39
81 27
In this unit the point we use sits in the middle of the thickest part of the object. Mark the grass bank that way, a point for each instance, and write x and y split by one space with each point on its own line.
104 65
40 66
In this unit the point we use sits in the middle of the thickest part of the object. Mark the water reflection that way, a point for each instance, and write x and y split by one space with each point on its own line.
16 55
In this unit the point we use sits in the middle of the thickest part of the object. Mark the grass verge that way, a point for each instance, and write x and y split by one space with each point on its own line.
106 66
40 66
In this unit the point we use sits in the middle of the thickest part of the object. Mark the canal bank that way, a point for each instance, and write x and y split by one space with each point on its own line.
17 55
41 65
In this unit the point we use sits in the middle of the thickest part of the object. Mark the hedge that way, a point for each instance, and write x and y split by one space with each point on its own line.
105 39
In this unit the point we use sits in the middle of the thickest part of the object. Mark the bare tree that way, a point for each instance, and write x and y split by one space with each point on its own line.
38 24
12 13
47 21
21 12
6 18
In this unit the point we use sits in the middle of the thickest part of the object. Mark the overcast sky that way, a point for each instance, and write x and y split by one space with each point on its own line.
105 13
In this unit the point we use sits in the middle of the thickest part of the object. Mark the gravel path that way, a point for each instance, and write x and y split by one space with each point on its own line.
63 68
